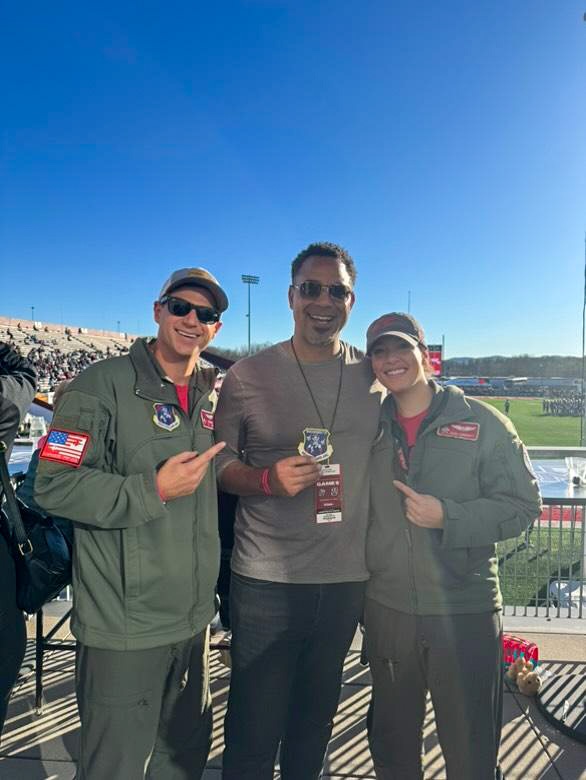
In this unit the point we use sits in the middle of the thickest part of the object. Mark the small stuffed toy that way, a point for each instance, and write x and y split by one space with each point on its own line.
518 667
529 683
522 672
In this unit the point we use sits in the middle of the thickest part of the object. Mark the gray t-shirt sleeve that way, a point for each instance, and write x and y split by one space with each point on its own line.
229 421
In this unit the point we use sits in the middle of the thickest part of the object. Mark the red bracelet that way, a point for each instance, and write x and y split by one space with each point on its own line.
264 482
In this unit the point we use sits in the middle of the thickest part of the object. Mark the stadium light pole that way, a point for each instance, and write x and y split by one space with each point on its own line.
33 313
583 415
247 279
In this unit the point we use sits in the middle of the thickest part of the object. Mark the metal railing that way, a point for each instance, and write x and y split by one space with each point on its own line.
543 572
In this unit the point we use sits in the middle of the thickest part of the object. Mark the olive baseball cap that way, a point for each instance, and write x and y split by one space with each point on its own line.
403 326
196 277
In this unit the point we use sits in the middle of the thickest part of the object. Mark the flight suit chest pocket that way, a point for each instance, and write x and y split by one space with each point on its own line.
448 469
154 450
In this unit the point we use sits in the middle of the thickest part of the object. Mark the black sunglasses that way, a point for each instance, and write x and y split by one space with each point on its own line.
313 290
180 308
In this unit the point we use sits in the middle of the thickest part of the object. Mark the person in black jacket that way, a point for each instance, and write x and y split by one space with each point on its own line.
17 390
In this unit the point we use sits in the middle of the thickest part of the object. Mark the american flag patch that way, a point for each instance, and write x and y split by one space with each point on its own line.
65 447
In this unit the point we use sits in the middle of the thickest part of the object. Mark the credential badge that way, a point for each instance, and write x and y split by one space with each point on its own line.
316 443
166 417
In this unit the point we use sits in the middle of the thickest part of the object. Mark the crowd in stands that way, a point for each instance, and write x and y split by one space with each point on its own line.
53 365
62 354
58 356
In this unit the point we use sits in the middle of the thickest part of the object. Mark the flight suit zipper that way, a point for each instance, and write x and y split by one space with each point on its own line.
191 420
402 458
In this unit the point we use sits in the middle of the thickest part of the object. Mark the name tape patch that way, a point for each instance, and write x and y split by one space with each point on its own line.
65 447
460 430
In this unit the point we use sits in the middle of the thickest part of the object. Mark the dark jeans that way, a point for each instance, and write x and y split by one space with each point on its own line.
289 642
458 658
12 630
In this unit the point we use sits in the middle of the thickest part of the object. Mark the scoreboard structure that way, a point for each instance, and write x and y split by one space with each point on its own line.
435 353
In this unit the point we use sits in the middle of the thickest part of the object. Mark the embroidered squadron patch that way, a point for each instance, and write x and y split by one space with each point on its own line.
66 447
166 416
460 430
316 443
207 420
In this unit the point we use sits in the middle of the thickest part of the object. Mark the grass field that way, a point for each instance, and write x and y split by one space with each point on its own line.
537 429
525 571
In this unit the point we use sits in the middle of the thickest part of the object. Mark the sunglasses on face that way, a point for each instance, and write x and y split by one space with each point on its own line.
313 290
180 308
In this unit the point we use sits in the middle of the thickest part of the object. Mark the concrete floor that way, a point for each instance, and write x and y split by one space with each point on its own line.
44 747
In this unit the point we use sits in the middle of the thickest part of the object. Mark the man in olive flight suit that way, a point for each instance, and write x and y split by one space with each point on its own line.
129 460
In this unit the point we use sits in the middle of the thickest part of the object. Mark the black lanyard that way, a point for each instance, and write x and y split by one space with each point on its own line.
323 425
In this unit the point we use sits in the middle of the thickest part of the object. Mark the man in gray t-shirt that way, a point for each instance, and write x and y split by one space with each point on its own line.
298 420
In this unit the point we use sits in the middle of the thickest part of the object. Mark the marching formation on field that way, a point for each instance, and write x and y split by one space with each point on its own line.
565 406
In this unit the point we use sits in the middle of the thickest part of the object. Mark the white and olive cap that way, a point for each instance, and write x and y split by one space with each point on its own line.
196 277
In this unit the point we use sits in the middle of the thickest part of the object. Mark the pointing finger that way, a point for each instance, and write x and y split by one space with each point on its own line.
183 457
211 452
405 489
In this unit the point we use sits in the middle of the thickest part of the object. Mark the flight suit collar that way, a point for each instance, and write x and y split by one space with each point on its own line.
152 383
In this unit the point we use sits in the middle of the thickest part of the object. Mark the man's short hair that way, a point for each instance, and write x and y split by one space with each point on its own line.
324 249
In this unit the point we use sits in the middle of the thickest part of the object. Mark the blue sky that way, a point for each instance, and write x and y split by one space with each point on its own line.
442 143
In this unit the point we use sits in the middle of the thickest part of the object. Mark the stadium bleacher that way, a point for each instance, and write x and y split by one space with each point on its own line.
61 351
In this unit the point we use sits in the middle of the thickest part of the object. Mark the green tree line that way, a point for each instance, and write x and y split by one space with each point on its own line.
493 365
236 353
517 365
